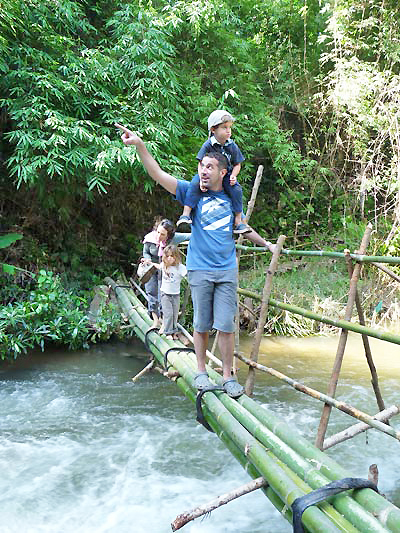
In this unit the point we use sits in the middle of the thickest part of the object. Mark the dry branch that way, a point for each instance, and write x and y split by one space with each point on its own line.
387 271
146 369
188 516
337 365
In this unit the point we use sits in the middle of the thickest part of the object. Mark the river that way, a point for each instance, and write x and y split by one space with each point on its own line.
85 450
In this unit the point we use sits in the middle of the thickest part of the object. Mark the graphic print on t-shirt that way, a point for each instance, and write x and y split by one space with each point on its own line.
216 214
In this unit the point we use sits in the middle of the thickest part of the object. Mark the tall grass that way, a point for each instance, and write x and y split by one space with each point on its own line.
320 285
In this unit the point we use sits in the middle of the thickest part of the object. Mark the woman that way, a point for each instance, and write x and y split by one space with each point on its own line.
153 246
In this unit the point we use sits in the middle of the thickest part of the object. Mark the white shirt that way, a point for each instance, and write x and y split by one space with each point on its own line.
171 278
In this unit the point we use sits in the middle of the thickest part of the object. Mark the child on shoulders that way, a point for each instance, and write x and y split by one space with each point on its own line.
219 126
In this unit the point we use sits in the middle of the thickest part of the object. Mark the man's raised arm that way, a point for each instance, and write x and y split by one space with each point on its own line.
153 168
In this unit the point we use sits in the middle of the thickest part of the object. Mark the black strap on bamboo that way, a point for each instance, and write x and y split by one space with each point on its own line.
200 416
301 504
175 348
146 340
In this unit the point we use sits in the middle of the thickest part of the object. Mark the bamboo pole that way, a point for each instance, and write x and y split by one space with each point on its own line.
146 369
209 354
387 514
342 342
249 387
350 432
342 406
182 519
249 211
296 465
367 348
286 484
321 253
351 326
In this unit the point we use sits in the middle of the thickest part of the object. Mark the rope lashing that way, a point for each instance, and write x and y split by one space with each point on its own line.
199 410
335 487
175 348
146 341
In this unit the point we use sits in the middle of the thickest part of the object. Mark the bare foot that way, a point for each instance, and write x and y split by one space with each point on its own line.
184 340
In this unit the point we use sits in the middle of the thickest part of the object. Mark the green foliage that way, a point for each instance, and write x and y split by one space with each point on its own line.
62 96
314 89
358 101
48 313
5 241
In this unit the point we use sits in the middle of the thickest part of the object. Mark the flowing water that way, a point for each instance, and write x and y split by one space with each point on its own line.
84 450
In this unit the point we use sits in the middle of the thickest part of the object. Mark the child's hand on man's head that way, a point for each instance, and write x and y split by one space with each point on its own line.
232 180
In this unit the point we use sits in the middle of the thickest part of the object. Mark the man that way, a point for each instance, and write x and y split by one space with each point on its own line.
211 259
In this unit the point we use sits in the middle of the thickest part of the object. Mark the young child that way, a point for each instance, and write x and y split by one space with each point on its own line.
153 245
219 127
172 272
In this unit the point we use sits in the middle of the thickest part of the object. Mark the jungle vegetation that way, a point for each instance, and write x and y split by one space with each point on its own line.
314 87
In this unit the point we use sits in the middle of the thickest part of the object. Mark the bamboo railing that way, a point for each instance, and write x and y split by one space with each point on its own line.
345 325
265 445
322 253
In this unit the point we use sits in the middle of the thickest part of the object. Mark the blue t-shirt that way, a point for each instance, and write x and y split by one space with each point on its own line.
211 245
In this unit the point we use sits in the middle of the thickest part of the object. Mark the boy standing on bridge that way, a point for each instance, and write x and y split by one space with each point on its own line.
220 130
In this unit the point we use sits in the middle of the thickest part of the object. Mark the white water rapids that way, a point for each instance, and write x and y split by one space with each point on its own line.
84 450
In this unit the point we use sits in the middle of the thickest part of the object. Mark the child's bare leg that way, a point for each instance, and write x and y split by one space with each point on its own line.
187 210
155 320
238 218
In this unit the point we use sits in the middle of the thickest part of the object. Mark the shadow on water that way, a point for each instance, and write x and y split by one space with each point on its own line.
83 449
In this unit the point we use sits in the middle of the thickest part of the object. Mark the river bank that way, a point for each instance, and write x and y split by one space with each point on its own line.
45 307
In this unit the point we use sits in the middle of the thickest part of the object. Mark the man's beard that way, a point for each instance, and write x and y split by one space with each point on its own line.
204 185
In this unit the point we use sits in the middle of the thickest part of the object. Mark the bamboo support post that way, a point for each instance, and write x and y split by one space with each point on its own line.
249 211
188 516
263 313
373 474
146 369
342 341
387 271
215 343
350 432
210 355
367 348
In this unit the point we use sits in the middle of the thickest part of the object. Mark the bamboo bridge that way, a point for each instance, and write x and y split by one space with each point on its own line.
309 488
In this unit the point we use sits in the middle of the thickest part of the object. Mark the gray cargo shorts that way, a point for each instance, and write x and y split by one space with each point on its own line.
214 299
